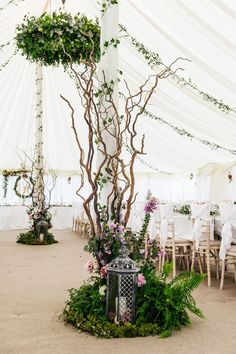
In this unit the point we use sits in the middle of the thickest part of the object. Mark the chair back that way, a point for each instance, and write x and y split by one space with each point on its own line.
200 211
227 213
166 211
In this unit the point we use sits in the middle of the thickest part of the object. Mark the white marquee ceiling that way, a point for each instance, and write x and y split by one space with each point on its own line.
202 31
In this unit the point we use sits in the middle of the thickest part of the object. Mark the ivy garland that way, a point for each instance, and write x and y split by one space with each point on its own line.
11 2
20 195
184 132
153 59
3 65
58 38
2 46
105 4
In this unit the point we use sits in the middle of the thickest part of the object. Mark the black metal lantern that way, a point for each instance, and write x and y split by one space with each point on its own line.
42 228
121 288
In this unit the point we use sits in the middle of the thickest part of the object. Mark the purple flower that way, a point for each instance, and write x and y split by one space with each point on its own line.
100 255
122 240
112 226
141 280
151 205
120 228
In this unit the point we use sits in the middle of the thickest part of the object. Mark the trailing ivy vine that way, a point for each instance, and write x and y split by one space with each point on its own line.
105 4
184 132
153 59
11 2
6 62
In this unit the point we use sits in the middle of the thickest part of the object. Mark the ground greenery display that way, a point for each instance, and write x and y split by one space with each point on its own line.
30 238
162 306
59 38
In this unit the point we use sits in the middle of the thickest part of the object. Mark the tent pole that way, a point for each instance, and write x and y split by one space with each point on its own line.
108 67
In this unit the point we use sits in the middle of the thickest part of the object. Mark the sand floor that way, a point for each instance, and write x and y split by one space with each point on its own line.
33 290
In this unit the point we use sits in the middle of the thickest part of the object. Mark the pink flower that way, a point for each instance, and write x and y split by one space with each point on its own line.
103 272
141 280
89 266
151 205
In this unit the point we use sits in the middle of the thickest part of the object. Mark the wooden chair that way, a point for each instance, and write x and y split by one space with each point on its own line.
229 259
207 250
174 248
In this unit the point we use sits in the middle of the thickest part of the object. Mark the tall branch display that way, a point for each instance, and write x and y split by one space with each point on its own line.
110 173
110 132
119 172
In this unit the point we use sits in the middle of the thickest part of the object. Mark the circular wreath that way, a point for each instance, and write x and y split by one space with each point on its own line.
20 195
58 38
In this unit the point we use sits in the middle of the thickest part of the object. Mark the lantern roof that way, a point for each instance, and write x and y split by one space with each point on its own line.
123 263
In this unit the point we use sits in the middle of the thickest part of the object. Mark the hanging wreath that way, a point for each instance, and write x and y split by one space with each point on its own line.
30 182
10 173
58 38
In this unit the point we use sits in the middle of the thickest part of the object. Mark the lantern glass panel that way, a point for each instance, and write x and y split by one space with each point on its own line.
112 296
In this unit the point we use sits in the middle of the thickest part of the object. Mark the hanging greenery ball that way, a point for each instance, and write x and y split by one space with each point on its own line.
58 38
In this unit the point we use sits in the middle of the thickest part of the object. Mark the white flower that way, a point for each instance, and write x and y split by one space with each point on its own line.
102 290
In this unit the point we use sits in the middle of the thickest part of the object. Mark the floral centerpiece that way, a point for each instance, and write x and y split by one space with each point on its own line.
184 209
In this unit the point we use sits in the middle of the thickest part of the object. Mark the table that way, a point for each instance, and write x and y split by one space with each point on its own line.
16 217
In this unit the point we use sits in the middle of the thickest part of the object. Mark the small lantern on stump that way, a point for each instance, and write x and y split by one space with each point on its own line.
121 288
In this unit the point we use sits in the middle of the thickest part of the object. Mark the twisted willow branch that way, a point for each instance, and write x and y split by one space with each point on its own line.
153 59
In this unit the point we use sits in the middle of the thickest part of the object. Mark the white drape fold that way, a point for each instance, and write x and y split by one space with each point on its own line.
226 239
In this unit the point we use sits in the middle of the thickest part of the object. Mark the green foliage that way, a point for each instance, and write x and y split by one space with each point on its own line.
58 38
167 303
161 306
184 209
84 303
29 238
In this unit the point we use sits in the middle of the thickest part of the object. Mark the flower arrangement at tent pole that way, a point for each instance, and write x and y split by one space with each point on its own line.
58 38
161 306
39 210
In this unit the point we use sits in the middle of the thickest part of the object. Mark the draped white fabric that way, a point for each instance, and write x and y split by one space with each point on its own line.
203 31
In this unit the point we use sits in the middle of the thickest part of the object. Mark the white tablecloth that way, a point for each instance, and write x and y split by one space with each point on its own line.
16 217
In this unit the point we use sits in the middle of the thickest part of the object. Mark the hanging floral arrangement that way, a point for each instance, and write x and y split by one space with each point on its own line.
58 38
